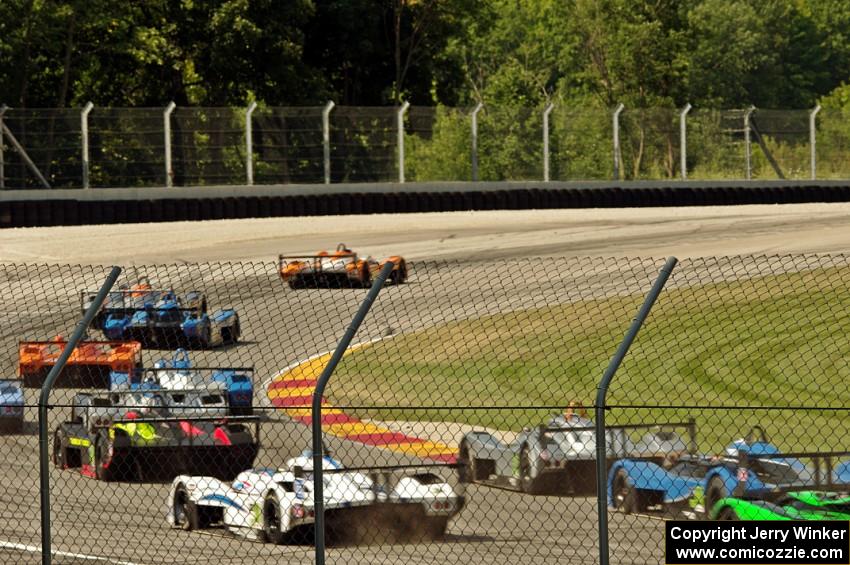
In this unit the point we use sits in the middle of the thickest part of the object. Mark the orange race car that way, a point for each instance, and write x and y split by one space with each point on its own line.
88 366
342 268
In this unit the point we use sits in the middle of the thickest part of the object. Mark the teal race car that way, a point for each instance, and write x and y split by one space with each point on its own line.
803 505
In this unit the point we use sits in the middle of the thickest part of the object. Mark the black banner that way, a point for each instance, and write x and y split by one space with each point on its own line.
758 542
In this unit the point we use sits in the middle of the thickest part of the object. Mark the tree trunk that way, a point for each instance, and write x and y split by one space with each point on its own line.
63 92
399 4
639 154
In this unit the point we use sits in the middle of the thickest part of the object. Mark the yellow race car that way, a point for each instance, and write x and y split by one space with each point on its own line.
342 268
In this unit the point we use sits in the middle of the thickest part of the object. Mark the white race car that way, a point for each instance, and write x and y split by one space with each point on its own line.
276 505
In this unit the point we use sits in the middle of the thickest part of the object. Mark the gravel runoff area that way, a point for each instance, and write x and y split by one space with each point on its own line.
118 522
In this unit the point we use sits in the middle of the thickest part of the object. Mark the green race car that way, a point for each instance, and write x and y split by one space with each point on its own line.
804 505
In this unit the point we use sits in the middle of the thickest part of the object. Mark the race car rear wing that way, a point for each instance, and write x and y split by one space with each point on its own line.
137 375
255 420
380 475
157 390
315 261
86 297
820 475
621 430
37 356
90 294
335 255
390 468
193 368
144 370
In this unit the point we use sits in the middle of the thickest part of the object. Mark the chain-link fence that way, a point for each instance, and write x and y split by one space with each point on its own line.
458 428
115 147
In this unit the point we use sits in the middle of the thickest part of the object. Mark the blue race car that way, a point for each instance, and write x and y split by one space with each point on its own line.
162 318
751 468
11 406
178 374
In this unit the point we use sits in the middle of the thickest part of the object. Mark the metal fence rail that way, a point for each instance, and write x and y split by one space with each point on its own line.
96 147
458 426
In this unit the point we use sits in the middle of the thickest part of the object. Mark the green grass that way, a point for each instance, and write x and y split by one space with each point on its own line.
780 340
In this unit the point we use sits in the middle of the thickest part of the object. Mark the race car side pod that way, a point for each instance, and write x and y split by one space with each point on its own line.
44 469
318 447
601 393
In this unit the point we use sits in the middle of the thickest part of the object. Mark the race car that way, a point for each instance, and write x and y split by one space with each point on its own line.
750 468
276 505
145 436
11 406
162 318
88 366
178 374
560 456
342 268
804 505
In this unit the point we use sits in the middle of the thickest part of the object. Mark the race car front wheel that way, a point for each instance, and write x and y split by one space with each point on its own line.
623 494
715 490
272 519
728 514
529 484
185 512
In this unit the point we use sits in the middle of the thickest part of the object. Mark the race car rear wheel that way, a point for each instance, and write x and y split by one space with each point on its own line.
271 519
715 490
435 527
399 275
529 484
728 514
185 512
230 334
205 337
467 471
365 276
60 456
103 457
623 494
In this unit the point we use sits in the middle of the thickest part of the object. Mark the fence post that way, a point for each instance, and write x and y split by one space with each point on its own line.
4 130
683 140
616 125
43 406
400 124
84 132
813 139
474 133
601 393
3 109
316 414
326 139
166 121
546 113
249 144
748 150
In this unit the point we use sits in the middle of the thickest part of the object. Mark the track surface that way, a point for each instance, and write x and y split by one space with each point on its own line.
655 232
123 522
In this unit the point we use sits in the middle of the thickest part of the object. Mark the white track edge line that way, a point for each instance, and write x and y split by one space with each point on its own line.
35 549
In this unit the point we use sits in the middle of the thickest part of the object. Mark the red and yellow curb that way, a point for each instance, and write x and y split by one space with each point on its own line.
292 391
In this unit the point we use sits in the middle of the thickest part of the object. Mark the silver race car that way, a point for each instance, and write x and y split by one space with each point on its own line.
11 406
276 505
560 456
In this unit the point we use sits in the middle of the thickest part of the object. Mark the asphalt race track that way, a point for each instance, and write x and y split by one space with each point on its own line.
96 522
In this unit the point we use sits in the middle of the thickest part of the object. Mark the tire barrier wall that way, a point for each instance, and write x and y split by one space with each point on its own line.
25 212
